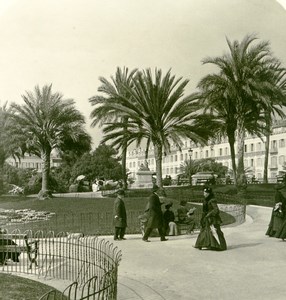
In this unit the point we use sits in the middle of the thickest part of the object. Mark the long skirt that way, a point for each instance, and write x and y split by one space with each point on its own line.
281 233
207 240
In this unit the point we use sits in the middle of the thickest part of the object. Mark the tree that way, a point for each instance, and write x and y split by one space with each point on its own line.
104 114
101 163
9 146
157 110
46 121
239 92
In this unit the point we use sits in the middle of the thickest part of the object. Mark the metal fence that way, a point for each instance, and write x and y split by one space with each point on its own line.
89 263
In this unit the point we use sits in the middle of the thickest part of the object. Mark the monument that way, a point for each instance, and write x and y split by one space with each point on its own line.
144 177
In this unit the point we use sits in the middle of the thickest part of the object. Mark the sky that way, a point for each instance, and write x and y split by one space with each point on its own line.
71 43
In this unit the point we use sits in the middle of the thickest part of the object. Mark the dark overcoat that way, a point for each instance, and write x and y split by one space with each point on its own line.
120 211
155 214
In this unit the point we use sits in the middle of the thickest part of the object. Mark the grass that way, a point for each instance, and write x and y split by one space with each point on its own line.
18 288
90 215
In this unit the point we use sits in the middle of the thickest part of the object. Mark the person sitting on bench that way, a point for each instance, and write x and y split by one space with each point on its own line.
186 216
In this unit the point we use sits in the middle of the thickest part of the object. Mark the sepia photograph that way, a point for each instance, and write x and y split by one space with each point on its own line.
142 149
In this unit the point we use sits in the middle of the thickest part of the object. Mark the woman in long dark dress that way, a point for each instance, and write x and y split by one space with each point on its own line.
210 225
277 214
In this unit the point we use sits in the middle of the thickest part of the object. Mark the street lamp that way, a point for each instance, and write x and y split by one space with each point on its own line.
190 165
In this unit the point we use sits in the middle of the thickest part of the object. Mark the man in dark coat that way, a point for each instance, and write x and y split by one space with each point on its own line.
155 216
120 218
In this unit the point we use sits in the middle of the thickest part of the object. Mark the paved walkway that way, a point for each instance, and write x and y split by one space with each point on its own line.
253 267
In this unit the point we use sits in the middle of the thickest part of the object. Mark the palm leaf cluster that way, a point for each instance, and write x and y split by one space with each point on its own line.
46 122
153 107
248 90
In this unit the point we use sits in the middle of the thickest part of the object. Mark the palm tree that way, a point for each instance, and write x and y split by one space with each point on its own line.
239 92
157 110
9 146
277 98
103 114
46 121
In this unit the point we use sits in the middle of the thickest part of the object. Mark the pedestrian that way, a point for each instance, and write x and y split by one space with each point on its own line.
277 214
155 216
210 237
170 227
186 216
120 218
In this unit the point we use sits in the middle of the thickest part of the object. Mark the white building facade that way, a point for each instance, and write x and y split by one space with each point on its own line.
254 155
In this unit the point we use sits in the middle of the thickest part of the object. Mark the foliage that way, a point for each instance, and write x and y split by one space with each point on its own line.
240 93
101 163
158 111
47 121
204 165
104 114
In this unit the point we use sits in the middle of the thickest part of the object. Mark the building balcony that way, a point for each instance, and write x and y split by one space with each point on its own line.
273 150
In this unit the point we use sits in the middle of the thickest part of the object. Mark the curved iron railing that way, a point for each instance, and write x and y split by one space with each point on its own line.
89 263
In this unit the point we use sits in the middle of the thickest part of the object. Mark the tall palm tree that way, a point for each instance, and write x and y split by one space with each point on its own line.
276 95
159 111
46 121
103 114
238 92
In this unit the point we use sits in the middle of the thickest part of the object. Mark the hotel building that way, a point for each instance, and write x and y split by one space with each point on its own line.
254 154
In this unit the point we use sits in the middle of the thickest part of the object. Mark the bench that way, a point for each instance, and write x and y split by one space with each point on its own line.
9 249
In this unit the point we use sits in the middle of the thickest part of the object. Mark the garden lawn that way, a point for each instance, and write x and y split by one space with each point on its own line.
19 288
87 215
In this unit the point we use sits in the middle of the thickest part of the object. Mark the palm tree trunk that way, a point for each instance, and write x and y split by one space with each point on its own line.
265 171
124 152
158 158
240 154
123 162
231 141
147 150
46 157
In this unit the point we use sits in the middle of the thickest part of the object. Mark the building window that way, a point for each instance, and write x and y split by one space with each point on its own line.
282 143
176 157
245 148
252 162
182 156
281 159
251 147
259 162
207 153
226 151
220 151
273 162
259 146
